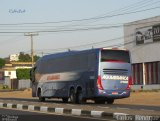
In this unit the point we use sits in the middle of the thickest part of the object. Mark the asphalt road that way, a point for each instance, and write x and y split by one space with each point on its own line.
16 115
92 105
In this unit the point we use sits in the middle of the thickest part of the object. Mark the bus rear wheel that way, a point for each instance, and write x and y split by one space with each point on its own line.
72 96
41 99
65 100
80 99
110 101
99 101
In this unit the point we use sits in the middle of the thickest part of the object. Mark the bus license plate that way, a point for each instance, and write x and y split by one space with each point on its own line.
114 93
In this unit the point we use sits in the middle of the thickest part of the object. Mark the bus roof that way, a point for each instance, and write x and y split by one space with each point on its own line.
68 53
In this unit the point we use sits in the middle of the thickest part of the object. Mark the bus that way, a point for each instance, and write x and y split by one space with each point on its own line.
100 74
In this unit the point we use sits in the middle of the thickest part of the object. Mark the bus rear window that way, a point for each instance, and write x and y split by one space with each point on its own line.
115 55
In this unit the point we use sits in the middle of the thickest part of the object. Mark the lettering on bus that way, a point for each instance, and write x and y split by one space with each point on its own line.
111 77
53 77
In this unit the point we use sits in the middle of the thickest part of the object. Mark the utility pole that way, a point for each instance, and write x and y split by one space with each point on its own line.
31 34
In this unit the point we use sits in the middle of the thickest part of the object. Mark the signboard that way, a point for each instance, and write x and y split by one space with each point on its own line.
148 34
144 35
156 33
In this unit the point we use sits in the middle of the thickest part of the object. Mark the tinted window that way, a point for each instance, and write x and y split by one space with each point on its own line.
115 55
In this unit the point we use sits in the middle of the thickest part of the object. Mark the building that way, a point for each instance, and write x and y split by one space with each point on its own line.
142 38
14 57
10 69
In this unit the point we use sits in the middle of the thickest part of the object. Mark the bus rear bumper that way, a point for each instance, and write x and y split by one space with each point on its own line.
114 94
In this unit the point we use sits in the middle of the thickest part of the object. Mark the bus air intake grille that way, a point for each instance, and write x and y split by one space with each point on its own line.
115 71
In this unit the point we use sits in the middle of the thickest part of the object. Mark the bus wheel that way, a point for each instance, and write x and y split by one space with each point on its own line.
72 96
65 100
41 99
110 101
99 101
80 99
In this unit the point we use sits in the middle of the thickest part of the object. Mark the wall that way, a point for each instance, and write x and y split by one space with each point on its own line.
145 87
146 52
144 46
10 73
22 84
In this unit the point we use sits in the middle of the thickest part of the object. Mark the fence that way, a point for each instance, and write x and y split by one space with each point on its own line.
24 84
17 84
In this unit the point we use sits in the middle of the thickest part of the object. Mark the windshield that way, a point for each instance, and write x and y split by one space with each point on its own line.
115 55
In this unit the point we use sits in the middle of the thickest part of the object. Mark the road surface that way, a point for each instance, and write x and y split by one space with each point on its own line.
16 115
134 109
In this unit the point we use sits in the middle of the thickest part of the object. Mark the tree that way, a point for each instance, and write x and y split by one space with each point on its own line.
27 58
24 57
36 58
23 74
2 62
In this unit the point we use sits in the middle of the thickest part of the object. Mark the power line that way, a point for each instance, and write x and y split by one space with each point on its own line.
13 38
92 44
93 18
80 29
69 30
83 29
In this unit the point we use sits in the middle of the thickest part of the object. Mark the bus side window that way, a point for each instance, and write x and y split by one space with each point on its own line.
91 61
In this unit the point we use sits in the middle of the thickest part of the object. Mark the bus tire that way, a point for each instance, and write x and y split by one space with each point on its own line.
65 100
72 96
110 101
41 99
80 99
99 101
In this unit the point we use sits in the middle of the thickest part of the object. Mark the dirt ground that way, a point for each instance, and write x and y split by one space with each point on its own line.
141 98
136 98
16 94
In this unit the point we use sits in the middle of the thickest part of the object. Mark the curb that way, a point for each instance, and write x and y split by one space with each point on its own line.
79 112
45 109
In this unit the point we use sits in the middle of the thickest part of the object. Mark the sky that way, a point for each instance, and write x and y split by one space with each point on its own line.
68 24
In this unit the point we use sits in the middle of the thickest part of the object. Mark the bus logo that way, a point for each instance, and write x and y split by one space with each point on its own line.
111 77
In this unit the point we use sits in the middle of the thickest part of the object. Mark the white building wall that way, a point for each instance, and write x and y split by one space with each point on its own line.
147 52
11 74
143 53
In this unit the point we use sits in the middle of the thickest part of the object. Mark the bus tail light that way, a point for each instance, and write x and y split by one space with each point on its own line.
129 83
99 84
